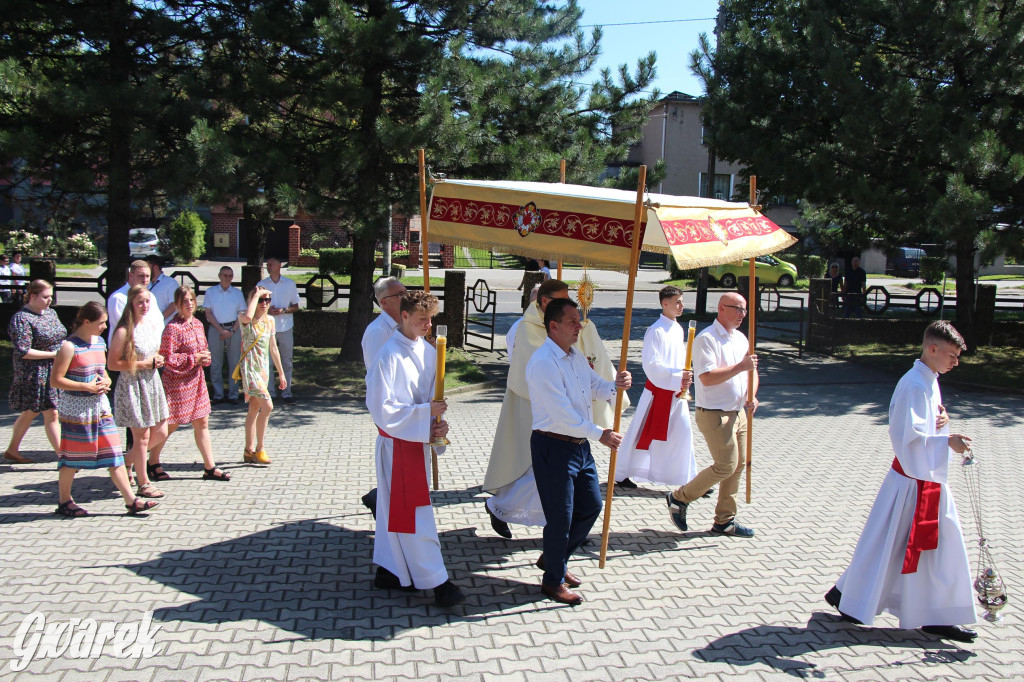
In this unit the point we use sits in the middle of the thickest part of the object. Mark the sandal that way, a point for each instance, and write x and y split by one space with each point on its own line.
215 474
156 472
65 509
249 456
140 506
16 457
149 490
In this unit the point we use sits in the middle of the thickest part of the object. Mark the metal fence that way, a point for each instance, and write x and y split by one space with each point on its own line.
776 312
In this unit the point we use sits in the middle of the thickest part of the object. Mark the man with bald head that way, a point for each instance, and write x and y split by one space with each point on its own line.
720 365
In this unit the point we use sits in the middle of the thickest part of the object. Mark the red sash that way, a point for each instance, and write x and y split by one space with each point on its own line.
924 532
408 484
656 422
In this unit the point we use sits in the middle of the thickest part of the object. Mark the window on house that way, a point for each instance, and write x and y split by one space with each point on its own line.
722 189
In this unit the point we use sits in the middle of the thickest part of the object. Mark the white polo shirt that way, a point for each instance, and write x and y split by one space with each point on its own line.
376 335
115 308
562 390
224 304
282 294
713 348
163 291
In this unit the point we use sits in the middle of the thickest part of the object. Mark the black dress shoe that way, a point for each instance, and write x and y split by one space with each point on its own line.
955 632
499 526
370 502
448 594
709 493
676 511
833 597
626 483
386 580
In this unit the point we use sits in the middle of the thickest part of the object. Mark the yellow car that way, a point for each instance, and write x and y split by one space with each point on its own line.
768 269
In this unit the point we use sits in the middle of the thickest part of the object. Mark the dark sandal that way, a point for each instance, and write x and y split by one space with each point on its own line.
149 490
140 505
155 475
65 509
215 474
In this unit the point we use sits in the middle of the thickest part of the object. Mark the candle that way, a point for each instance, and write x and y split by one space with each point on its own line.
442 345
689 345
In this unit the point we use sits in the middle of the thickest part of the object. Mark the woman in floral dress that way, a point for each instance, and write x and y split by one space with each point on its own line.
185 353
259 346
139 400
37 334
88 433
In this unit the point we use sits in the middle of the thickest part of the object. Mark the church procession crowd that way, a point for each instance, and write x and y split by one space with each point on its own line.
148 350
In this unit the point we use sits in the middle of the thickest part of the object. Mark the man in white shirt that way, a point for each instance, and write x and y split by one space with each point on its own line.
138 273
5 284
721 361
911 559
284 301
562 388
658 446
399 395
222 304
19 272
388 292
162 287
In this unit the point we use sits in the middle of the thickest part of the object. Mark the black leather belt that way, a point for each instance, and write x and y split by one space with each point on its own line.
705 409
558 436
228 324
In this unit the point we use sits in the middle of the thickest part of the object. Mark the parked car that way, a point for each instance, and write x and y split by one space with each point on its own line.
142 242
767 269
906 260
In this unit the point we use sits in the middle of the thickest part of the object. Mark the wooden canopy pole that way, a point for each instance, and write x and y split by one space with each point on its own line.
424 241
633 260
561 168
425 244
752 333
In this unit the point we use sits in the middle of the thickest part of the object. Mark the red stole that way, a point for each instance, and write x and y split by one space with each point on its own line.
656 422
924 532
408 484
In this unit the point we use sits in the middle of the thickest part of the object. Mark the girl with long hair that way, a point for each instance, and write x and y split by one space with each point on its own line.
88 433
259 346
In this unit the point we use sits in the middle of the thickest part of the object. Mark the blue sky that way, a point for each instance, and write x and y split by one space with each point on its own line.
672 42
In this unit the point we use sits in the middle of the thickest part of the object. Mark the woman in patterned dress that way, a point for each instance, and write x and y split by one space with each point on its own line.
37 334
139 400
259 346
185 353
88 433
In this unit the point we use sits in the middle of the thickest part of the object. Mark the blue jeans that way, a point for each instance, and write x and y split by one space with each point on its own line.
570 494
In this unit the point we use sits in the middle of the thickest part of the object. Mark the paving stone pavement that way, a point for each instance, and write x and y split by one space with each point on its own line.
269 576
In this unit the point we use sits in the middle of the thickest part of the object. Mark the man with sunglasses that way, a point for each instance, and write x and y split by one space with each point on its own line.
388 292
720 365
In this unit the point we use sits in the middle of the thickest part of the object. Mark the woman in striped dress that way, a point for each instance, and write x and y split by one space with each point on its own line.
185 353
88 434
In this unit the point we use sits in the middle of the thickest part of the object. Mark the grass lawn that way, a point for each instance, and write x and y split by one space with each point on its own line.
990 278
1001 366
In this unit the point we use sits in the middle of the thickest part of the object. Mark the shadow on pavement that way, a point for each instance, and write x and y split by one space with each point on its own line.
779 647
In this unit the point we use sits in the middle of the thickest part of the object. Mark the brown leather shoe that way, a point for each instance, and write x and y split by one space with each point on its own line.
561 594
570 578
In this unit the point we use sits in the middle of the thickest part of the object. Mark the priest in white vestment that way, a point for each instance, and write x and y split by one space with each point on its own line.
399 391
658 446
911 559
510 470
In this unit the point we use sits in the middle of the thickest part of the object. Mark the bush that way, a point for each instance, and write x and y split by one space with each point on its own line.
311 253
810 267
26 242
397 270
81 249
676 273
933 269
187 237
336 261
400 254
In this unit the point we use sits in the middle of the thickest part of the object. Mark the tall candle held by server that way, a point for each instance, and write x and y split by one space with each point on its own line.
689 345
442 345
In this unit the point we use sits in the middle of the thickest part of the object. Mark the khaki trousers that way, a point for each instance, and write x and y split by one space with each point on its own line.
725 433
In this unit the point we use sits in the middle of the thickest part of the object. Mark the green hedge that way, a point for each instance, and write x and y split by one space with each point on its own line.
334 261
810 267
932 269
187 237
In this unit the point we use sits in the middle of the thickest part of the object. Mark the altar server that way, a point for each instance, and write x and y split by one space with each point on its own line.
658 446
399 386
911 560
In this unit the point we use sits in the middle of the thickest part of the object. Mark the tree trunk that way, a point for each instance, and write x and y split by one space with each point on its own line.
965 294
360 303
119 163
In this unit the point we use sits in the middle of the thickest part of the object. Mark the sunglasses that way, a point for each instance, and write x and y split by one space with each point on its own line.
264 299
